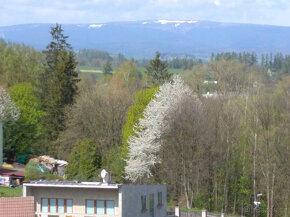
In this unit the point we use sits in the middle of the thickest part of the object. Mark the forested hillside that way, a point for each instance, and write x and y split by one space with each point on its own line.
143 38
217 133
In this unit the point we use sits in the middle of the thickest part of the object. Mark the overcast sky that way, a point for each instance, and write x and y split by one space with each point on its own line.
273 12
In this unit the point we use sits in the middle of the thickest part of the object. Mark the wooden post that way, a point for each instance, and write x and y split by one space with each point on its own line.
1 144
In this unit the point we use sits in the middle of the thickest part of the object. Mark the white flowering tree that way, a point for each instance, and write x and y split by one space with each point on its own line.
143 148
8 112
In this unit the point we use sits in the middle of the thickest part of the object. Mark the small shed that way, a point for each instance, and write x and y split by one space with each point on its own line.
11 177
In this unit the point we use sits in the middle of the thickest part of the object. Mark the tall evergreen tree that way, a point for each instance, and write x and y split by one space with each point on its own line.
107 68
157 70
59 81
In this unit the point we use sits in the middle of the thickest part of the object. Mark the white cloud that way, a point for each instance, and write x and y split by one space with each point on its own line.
217 2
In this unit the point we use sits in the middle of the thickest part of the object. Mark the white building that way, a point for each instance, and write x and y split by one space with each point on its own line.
88 199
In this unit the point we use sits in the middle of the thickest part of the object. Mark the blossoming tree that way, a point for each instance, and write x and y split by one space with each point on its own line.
144 146
8 112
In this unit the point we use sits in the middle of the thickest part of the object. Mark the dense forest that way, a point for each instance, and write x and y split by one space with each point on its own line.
217 133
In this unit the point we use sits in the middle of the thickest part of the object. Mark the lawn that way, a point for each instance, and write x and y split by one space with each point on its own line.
10 192
89 68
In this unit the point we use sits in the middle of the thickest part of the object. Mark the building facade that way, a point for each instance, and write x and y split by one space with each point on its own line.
92 199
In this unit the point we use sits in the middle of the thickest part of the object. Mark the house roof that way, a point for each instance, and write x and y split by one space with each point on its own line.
5 172
98 185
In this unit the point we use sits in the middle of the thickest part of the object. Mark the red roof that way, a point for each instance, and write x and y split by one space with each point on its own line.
17 207
5 172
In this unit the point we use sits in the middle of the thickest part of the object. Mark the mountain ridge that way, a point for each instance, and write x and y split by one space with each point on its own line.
143 38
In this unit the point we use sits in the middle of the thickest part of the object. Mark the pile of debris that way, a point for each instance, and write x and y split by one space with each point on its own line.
55 166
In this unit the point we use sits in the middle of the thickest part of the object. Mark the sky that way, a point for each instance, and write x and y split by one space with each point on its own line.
271 12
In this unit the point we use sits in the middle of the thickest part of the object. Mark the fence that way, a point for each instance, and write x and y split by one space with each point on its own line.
191 214
178 213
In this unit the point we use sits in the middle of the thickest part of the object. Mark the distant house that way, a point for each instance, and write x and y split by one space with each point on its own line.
88 199
11 177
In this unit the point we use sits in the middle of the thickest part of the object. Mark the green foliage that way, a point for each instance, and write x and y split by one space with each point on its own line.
135 112
130 74
113 162
84 161
107 69
89 57
10 192
59 82
35 171
21 136
19 63
157 70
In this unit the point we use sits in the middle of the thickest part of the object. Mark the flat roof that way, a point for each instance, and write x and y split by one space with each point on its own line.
98 185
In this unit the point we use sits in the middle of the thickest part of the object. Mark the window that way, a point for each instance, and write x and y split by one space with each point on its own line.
159 198
151 205
44 205
143 203
68 206
60 205
110 207
100 207
90 206
53 205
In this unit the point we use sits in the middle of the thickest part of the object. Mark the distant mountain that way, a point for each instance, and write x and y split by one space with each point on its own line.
143 38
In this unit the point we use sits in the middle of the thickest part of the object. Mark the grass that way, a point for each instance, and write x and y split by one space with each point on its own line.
10 192
142 69
93 76
89 68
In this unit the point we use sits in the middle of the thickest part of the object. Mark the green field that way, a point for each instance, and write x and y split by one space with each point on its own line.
95 73
89 68
10 192
142 69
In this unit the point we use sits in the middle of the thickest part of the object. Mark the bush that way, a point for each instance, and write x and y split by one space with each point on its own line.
84 161
37 171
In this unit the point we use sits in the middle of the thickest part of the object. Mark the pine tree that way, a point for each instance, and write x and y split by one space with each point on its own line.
107 69
59 81
158 70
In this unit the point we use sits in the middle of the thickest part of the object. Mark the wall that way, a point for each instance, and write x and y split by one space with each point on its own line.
16 207
131 200
78 195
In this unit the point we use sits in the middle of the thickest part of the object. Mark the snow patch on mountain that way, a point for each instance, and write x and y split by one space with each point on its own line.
95 26
175 21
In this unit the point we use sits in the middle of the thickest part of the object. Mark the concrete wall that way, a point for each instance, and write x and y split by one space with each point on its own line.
78 195
131 200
